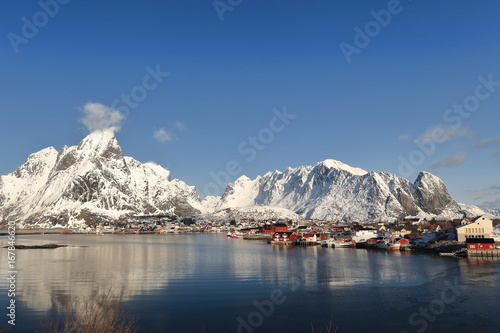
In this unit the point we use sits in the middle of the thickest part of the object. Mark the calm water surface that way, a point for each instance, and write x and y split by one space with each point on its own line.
209 283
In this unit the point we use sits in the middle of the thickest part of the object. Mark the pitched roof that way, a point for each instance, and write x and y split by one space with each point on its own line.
480 240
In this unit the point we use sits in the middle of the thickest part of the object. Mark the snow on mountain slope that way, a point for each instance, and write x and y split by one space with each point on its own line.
259 213
329 163
209 203
94 180
473 211
492 212
240 193
335 191
88 181
17 188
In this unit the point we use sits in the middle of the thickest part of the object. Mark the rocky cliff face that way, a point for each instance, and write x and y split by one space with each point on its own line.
335 191
90 181
95 181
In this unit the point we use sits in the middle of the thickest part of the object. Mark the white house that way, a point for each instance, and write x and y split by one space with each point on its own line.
480 227
363 235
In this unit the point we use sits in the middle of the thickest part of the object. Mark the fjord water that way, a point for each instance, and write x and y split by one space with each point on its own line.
209 283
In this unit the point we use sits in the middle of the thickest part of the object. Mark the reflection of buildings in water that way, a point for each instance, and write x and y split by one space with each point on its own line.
384 269
307 267
483 270
131 265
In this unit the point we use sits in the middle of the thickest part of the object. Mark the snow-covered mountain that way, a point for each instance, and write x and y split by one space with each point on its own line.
492 211
473 211
89 181
94 181
209 203
259 213
335 191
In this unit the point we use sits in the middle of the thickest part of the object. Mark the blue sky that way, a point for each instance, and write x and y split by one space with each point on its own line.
233 68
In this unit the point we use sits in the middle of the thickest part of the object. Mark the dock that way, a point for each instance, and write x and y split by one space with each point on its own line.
484 253
472 253
256 237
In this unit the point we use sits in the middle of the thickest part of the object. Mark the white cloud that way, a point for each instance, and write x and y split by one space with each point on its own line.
404 137
162 135
486 143
101 117
450 162
442 134
180 126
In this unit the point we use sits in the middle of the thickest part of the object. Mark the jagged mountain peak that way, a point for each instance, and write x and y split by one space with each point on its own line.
242 179
158 169
101 143
334 164
36 162
336 191
94 178
90 181
425 176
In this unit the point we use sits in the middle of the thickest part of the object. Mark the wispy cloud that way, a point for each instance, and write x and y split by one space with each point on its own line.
451 162
487 143
180 126
443 134
98 116
481 194
162 135
404 137
494 204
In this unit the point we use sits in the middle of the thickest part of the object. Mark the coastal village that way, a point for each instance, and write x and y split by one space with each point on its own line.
479 236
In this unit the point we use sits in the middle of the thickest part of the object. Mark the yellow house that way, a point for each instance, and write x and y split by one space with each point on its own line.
480 227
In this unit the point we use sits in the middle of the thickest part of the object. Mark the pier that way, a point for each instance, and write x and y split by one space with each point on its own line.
484 253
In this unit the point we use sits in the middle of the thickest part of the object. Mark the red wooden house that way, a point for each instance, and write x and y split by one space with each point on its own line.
480 244
283 238
403 241
279 227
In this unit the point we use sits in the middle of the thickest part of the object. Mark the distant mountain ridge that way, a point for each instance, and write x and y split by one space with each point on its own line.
335 191
94 181
472 211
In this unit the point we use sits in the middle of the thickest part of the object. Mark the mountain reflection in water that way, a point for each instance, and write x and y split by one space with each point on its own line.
206 282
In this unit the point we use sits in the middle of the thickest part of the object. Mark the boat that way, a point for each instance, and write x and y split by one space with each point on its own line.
338 243
330 242
107 229
362 236
343 243
233 234
389 244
